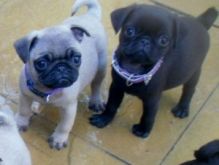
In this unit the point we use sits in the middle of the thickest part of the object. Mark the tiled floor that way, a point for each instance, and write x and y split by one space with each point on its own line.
172 140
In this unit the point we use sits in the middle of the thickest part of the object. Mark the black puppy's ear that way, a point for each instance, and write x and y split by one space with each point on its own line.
119 16
79 32
208 151
24 45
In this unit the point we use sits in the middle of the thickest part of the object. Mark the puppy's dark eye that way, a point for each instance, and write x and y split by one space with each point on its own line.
130 31
77 59
70 53
41 64
163 41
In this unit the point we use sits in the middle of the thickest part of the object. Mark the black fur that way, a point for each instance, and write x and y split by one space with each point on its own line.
184 52
206 155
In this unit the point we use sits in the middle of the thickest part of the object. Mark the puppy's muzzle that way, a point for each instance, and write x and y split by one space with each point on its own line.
60 76
141 47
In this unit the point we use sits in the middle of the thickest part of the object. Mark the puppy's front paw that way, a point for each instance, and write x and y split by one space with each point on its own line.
100 120
58 140
22 122
97 106
139 131
180 112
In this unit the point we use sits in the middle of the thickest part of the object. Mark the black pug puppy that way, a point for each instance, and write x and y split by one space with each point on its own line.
158 50
206 155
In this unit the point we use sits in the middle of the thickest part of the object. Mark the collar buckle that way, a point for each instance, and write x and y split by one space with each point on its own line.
147 79
128 81
48 98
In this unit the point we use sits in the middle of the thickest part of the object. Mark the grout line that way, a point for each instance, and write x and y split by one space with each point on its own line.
89 142
105 151
177 11
7 98
189 124
70 149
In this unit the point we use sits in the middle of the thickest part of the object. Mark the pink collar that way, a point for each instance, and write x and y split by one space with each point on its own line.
136 78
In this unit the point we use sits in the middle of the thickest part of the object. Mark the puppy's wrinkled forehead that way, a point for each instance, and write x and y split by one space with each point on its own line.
143 17
55 40
150 19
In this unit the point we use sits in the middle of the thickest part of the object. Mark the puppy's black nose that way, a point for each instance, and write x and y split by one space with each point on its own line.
145 44
61 68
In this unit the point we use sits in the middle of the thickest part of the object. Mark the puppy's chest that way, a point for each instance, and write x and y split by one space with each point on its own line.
138 89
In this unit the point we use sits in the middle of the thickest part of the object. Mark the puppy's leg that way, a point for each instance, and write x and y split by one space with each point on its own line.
24 114
115 98
150 107
96 102
181 110
59 138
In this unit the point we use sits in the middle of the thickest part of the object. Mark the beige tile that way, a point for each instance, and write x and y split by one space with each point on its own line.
201 131
83 153
90 145
77 152
193 7
2 2
14 24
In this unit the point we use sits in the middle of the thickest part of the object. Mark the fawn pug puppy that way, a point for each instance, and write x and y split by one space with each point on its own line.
157 50
59 62
12 147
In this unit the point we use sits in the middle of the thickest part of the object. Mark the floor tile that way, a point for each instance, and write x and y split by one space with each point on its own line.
203 130
192 7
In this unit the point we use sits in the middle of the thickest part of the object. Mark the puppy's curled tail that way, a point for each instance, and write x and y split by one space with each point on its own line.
208 151
208 17
93 7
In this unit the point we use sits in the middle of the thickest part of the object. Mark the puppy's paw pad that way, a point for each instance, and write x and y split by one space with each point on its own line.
138 131
100 121
57 141
22 122
180 112
97 106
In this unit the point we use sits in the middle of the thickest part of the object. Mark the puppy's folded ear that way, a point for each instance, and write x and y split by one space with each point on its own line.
79 33
24 45
119 16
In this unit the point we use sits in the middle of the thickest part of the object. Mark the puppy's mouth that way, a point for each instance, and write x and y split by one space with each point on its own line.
134 68
134 63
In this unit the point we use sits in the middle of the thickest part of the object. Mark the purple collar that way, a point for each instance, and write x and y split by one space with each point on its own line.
31 86
136 78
